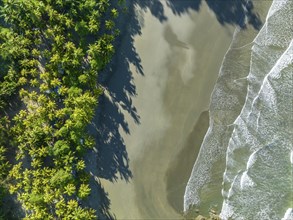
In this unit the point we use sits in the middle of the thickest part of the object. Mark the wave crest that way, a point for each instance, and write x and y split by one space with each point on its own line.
251 125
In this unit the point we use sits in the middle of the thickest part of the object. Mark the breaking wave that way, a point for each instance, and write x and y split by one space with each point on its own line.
247 152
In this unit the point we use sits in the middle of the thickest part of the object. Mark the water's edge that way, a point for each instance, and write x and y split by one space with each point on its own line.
239 115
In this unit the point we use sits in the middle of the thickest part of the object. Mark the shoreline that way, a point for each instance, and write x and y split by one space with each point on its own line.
180 60
210 166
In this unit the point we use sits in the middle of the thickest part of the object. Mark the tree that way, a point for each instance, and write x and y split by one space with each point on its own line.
54 65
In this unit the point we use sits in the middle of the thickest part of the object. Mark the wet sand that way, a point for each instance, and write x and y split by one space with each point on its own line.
180 59
207 176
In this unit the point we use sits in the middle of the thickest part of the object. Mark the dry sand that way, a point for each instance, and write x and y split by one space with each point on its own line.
180 58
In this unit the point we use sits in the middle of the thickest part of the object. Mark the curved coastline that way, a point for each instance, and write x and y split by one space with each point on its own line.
261 142
205 184
249 134
179 59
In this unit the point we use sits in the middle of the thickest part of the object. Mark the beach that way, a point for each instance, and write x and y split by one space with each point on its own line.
205 188
163 105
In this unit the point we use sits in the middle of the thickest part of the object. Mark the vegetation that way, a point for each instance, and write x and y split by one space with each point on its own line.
50 54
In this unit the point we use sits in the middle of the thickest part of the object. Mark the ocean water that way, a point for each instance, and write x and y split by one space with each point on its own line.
245 161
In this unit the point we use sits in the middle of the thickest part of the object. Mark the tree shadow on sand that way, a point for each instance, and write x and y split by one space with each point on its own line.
110 160
239 13
228 12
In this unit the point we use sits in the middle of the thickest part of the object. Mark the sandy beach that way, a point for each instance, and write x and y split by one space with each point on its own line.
205 188
164 109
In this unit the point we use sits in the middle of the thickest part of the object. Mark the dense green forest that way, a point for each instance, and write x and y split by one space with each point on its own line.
51 53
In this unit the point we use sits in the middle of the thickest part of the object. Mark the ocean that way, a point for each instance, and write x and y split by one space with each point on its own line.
244 168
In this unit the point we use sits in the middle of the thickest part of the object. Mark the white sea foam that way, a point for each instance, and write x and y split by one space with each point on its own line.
267 117
257 181
288 215
226 103
246 181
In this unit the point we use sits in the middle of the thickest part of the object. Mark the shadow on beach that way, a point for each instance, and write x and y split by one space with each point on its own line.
110 159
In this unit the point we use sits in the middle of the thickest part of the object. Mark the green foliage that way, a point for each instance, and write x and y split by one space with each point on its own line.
61 178
4 164
70 189
84 191
60 148
50 54
36 198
